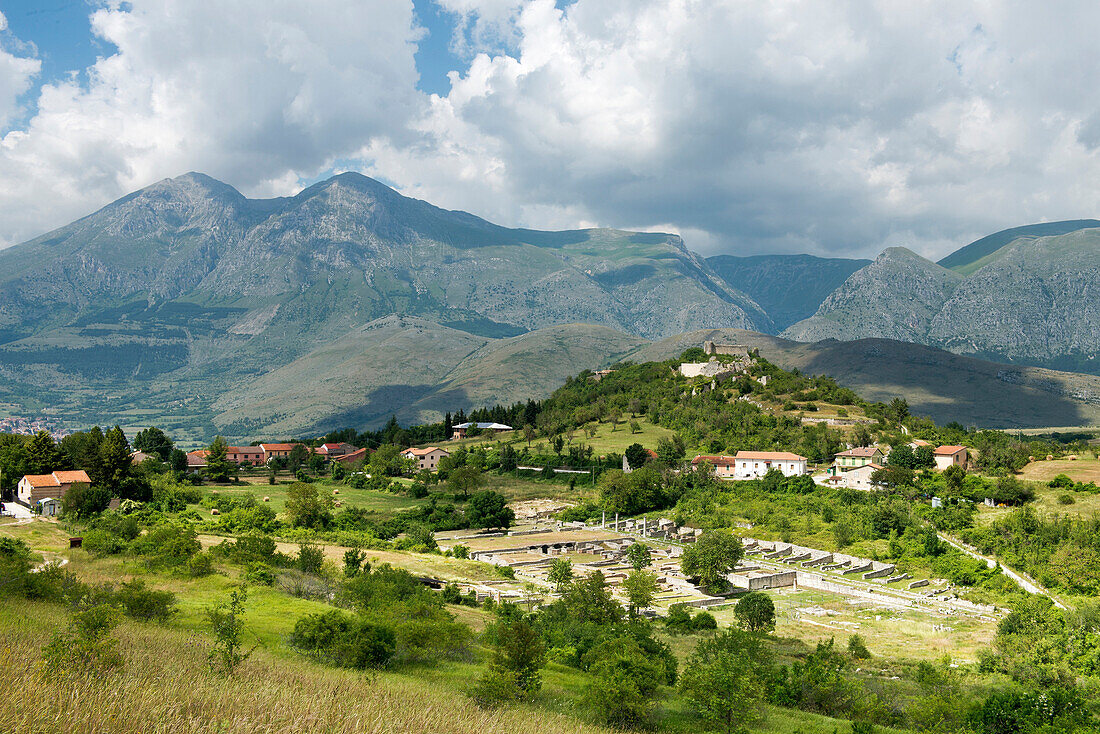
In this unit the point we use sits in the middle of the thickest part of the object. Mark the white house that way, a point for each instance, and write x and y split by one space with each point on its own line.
946 456
753 464
857 478
428 458
461 429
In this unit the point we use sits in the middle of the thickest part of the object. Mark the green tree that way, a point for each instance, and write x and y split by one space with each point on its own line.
305 508
43 455
464 480
154 441
723 679
298 456
641 588
114 460
624 683
636 456
489 509
560 574
178 460
218 468
671 451
589 600
954 476
83 501
520 651
711 558
755 612
639 555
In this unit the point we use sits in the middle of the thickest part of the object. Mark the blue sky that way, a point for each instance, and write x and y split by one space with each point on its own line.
834 128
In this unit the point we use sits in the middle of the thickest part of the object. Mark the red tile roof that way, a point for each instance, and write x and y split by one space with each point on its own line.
769 456
714 460
42 480
865 452
278 446
72 477
353 457
424 452
948 450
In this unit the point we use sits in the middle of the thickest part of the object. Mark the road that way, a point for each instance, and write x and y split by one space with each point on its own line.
1026 584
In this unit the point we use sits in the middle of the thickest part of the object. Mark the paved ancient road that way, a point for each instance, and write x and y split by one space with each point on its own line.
1026 584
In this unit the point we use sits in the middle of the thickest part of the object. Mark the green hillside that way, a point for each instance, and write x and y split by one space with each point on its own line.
967 259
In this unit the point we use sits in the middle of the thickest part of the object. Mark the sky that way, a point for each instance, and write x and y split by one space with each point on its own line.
835 127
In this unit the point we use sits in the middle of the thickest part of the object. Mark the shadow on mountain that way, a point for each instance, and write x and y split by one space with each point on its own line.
945 386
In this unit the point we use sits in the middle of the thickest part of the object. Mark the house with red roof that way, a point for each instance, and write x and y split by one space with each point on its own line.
426 458
753 464
946 456
860 456
253 455
276 450
33 488
335 450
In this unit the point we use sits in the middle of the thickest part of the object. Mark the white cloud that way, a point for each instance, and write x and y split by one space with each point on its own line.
828 127
16 74
755 125
254 93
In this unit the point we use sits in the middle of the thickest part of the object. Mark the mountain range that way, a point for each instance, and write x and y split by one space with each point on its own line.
1028 296
188 304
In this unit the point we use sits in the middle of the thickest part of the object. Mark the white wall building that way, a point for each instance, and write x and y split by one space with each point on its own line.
753 464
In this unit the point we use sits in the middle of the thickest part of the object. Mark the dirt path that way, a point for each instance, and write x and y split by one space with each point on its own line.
1024 583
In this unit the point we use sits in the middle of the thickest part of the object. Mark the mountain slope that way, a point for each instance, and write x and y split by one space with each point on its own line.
414 369
967 259
186 291
945 386
895 297
1037 303
789 287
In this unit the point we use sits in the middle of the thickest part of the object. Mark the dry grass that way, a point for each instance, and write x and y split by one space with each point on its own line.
1085 469
165 688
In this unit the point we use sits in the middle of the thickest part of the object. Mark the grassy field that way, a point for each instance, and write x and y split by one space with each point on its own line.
276 689
1085 468
604 441
268 694
383 502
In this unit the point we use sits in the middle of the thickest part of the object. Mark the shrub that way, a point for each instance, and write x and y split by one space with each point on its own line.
354 560
200 564
857 649
1065 499
344 640
678 619
1061 481
103 543
168 545
87 647
310 558
460 551
146 604
505 571
704 621
227 624
253 548
258 572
